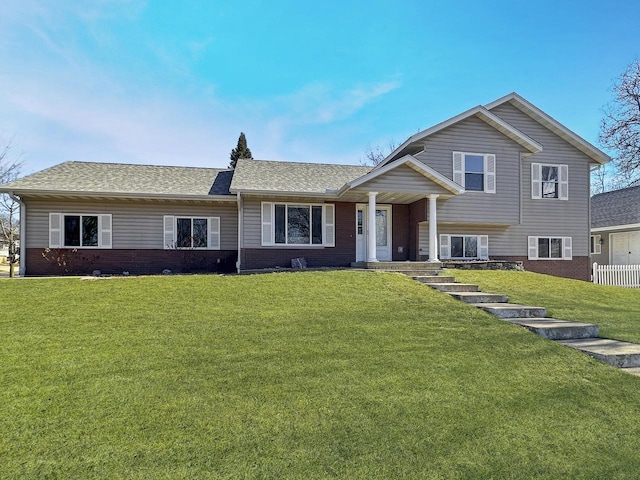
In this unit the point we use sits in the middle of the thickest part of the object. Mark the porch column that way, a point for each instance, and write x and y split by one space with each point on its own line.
372 254
433 230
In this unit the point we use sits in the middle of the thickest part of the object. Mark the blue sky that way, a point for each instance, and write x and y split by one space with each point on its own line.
174 83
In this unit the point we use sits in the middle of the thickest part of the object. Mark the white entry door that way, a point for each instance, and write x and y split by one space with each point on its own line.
383 232
625 248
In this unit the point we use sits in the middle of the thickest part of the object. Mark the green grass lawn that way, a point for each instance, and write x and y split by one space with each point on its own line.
615 310
299 375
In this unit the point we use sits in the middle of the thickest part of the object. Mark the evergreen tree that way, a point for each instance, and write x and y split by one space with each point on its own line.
241 151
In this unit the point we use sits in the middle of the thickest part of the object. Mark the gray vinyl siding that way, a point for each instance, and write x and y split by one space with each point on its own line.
472 135
402 179
136 225
603 257
552 217
252 218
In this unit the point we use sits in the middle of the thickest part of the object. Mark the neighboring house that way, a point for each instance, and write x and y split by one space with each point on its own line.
615 227
501 181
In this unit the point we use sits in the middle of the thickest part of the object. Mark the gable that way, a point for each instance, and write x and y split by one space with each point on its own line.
405 180
528 118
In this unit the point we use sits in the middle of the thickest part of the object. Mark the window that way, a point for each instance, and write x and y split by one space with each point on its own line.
464 247
549 181
596 244
550 248
297 224
191 232
79 230
476 172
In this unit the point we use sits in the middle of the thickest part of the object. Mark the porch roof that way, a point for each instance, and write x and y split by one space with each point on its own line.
404 180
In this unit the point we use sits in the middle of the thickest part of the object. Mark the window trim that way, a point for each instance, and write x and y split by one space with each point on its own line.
57 226
482 246
489 170
595 247
532 250
267 222
536 181
170 232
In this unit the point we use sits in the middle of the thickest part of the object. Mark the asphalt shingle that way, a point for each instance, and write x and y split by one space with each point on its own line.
271 176
117 178
620 207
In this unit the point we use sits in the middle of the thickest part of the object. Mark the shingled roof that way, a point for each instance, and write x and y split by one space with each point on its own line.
90 178
287 177
620 207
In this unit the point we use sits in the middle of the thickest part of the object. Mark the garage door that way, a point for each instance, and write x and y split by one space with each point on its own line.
625 248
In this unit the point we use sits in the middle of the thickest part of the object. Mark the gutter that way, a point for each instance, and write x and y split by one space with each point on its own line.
23 238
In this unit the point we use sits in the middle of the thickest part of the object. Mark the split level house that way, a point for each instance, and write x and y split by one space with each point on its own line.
500 181
615 227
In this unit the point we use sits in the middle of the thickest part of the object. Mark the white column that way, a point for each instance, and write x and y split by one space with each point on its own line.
372 254
433 230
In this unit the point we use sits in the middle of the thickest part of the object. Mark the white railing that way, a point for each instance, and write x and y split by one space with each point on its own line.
617 275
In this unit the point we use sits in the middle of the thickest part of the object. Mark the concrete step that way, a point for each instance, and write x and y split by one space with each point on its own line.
429 279
614 352
479 297
455 287
415 272
632 370
512 310
554 329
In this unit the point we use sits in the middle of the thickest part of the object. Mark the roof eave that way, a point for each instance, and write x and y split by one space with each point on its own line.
485 115
118 195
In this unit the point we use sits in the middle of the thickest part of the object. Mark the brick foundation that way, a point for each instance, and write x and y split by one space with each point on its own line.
136 262
578 268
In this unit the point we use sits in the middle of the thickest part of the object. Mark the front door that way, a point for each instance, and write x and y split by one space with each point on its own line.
383 232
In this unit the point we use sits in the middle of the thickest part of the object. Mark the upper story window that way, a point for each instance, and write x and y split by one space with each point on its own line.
549 181
298 224
191 232
79 230
476 172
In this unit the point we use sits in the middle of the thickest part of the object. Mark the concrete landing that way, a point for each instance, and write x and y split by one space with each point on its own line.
512 310
614 352
555 329
479 297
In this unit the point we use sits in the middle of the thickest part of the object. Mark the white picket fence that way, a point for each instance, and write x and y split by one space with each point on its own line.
617 275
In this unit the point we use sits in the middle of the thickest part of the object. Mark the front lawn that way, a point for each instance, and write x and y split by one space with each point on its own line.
296 375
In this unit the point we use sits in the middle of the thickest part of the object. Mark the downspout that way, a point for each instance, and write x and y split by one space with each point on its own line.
23 238
240 212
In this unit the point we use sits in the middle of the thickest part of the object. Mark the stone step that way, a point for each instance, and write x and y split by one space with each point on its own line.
554 329
455 287
479 297
614 352
429 279
512 310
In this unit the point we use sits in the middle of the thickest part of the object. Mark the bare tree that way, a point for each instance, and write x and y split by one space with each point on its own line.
620 127
374 155
9 208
